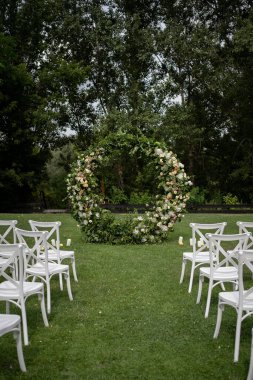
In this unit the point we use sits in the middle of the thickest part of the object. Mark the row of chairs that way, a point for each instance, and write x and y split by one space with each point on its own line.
222 258
25 256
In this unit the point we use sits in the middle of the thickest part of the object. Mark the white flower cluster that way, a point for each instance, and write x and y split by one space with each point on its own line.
169 204
81 188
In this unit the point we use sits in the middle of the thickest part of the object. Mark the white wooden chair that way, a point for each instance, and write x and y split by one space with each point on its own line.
7 231
55 253
11 323
223 267
200 253
247 227
7 236
241 301
16 291
38 266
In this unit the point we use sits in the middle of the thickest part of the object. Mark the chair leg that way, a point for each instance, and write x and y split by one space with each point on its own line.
250 372
218 321
24 322
208 301
191 277
238 335
43 308
74 269
7 307
69 286
17 336
48 297
182 271
60 280
201 280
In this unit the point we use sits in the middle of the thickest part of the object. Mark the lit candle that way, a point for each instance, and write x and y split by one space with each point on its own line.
68 242
180 240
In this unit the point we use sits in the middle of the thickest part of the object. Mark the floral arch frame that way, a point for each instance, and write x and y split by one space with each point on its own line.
99 224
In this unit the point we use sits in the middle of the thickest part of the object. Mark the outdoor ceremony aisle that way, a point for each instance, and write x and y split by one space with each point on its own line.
130 318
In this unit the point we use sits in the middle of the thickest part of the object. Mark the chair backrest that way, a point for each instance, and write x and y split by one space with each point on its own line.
35 243
199 231
7 231
222 248
245 227
15 259
53 237
244 260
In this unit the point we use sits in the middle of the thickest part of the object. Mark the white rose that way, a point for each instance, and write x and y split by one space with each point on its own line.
159 152
180 176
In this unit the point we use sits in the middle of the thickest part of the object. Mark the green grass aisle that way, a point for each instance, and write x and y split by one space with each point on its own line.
130 318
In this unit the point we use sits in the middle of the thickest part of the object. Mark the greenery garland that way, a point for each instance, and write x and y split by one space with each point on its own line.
169 204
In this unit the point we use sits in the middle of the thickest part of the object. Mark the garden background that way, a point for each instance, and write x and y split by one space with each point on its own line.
76 72
71 72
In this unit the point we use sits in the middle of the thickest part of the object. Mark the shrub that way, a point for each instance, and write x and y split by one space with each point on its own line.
230 199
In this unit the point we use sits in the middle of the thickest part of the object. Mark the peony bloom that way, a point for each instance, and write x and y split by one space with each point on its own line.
180 176
158 151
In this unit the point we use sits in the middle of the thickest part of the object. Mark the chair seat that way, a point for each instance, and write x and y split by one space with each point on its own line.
232 298
64 254
8 322
52 255
53 268
9 291
3 261
200 257
222 273
6 254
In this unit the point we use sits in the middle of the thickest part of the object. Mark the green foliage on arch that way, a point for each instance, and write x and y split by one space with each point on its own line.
93 172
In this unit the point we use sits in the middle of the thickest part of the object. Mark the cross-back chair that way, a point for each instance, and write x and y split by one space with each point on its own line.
55 253
11 323
223 266
7 236
16 290
241 300
37 265
200 254
247 227
7 231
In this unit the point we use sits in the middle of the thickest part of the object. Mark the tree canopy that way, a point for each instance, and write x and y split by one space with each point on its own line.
179 72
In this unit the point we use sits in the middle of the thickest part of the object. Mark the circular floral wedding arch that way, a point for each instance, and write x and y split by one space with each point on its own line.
99 225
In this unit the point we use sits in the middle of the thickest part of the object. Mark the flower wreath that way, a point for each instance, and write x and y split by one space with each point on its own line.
99 224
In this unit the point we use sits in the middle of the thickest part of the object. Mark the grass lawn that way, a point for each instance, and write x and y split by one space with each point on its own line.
130 318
